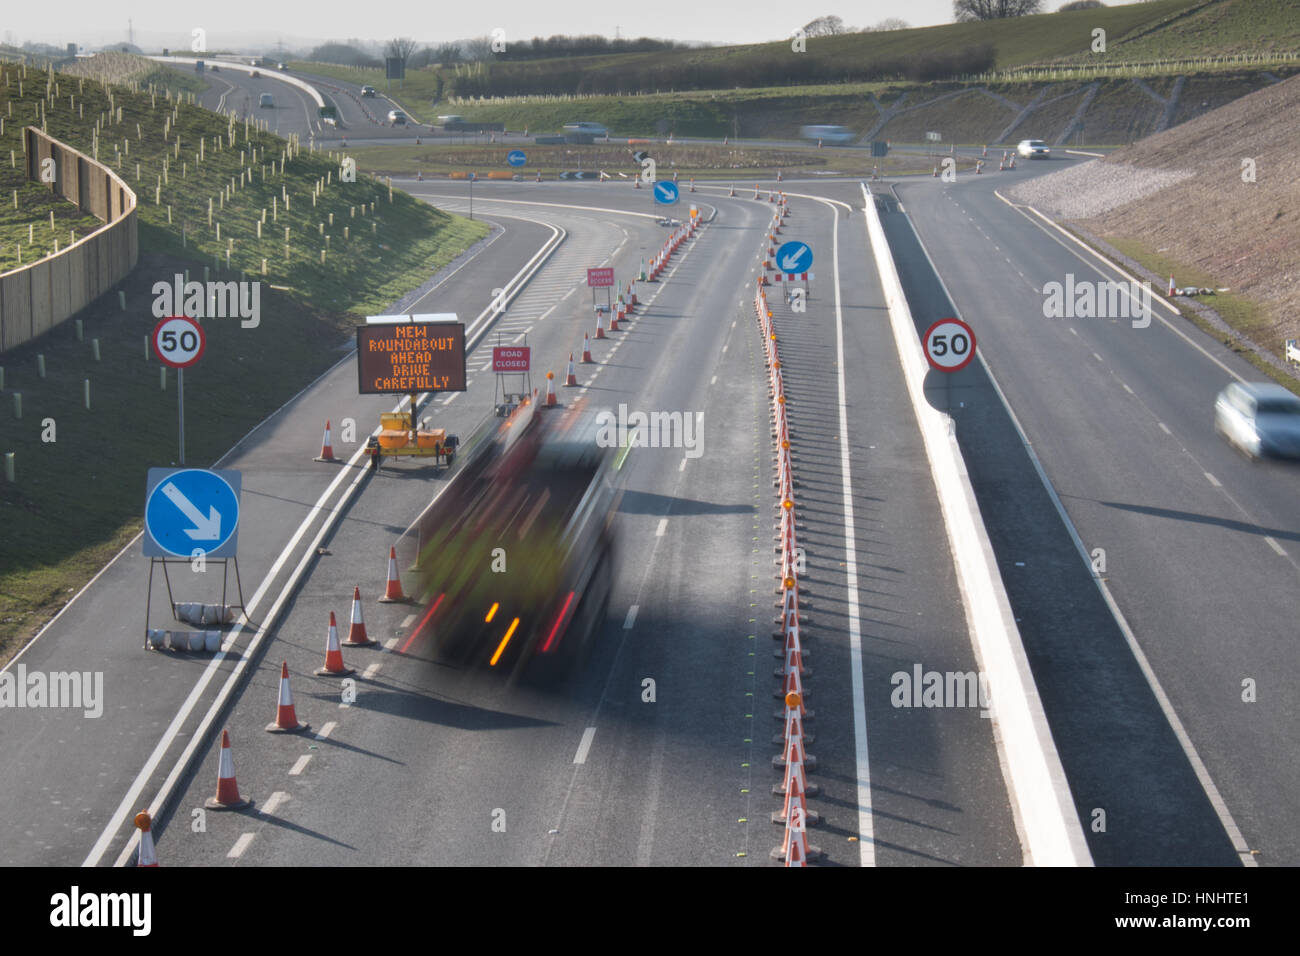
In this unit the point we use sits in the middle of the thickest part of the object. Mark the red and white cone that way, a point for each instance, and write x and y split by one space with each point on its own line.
1172 288
600 316
756 191
144 823
326 447
286 720
227 796
733 189
357 636
986 151
935 174
539 176
794 849
571 376
586 350
393 592
778 175
334 666
550 389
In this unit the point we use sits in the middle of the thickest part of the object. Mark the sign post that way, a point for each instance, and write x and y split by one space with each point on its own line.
179 341
602 278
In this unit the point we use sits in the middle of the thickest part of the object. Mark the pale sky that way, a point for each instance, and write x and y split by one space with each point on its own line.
258 23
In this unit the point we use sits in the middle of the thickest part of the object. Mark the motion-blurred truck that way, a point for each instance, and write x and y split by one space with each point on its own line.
515 555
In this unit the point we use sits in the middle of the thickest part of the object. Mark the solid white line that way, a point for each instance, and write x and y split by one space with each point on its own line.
240 846
1274 545
866 822
663 526
300 765
1212 480
274 801
584 745
326 730
631 617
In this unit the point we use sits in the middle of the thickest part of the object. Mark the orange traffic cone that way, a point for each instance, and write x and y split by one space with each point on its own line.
571 376
227 796
733 190
794 749
935 174
334 666
286 720
986 150
326 447
755 190
636 182
586 350
550 389
794 850
357 631
144 823
692 184
778 175
1172 288
600 316
393 593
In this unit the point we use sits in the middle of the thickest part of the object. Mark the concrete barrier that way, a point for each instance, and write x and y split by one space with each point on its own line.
36 297
1040 793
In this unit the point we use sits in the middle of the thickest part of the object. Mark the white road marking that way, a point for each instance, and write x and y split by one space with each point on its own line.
390 643
663 526
1164 428
450 398
584 745
1127 389
407 621
1212 480
1098 357
274 801
240 846
371 671
300 765
714 380
1072 332
682 466
515 340
548 312
631 617
724 348
1274 545
326 730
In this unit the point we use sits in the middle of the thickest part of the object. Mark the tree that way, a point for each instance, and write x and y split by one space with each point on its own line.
965 10
448 54
824 27
887 24
477 49
1079 5
401 48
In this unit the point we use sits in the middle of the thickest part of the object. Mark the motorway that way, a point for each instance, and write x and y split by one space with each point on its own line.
1145 667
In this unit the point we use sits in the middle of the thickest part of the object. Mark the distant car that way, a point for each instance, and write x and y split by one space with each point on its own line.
266 101
1034 149
214 68
367 91
595 129
1261 419
835 135
255 74
281 66
397 117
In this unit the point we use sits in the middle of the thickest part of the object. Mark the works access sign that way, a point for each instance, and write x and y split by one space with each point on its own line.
411 357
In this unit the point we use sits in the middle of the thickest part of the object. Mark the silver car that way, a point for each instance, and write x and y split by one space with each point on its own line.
1262 419
1033 149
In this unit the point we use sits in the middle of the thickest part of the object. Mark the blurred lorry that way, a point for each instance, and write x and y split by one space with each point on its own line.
514 564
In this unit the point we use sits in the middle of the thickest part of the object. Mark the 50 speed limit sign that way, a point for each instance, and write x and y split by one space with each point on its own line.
949 345
178 341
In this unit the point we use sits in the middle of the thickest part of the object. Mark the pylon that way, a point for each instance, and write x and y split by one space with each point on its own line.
357 636
571 376
334 666
144 823
227 796
733 190
286 720
539 175
986 151
935 174
326 446
586 350
778 175
755 190
393 593
600 325
636 182
1172 288
550 389
692 184
770 197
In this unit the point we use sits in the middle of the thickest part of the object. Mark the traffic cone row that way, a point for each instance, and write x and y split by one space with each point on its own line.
793 758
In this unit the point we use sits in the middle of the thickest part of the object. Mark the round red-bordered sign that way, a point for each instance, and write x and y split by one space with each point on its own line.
178 341
949 345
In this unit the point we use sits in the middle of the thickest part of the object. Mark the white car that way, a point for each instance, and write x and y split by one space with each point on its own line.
396 117
1259 418
1034 149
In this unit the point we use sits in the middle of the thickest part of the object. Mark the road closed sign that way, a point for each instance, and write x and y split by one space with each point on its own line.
511 358
949 345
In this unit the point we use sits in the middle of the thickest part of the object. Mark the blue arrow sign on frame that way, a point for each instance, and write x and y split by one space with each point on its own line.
794 257
666 193
516 157
190 510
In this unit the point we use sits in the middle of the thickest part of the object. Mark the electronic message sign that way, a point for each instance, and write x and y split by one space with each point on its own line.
403 357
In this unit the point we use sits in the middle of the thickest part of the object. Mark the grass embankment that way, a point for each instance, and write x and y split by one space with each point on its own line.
77 497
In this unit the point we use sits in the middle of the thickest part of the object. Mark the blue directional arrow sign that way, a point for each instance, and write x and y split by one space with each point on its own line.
666 193
189 510
516 157
794 257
